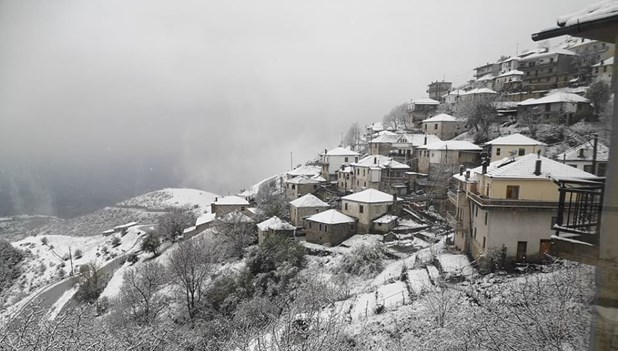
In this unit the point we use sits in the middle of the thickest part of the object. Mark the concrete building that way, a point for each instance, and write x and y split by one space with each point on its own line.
511 146
508 64
418 110
447 156
436 90
509 81
383 144
304 207
581 157
558 107
477 94
226 204
301 185
345 179
329 228
404 150
369 205
275 226
444 126
511 206
379 172
304 171
548 69
488 68
333 160
602 71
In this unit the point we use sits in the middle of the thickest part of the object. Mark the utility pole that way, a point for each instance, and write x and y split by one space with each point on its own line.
71 260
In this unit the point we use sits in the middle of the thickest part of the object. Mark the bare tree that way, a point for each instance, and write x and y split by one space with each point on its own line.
353 136
531 119
480 113
171 224
396 118
598 93
234 235
191 265
271 202
139 299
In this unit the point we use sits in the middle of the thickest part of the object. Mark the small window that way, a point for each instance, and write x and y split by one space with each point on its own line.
361 209
293 186
522 151
497 151
352 226
345 206
326 228
486 213
435 126
588 168
484 242
309 225
345 159
389 208
474 232
512 192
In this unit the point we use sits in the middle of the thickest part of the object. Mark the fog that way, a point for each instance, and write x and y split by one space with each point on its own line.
102 100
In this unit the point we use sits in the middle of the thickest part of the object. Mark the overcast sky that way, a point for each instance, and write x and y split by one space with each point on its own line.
215 95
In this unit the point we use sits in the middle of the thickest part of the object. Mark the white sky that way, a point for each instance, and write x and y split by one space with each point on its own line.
231 87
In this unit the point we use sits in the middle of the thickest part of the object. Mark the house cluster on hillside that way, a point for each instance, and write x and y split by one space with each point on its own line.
503 194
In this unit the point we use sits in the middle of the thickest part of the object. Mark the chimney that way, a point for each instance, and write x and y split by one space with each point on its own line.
461 169
537 167
467 174
484 167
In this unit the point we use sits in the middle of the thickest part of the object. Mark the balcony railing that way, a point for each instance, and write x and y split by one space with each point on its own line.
579 209
489 202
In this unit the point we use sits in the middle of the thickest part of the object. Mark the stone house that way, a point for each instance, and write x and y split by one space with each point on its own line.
226 204
369 205
512 145
444 126
509 81
275 226
558 107
509 205
329 228
304 171
448 156
404 150
379 172
332 161
436 90
581 157
301 185
603 70
418 110
383 144
304 207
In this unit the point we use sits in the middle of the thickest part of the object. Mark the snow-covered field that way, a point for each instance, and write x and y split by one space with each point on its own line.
173 197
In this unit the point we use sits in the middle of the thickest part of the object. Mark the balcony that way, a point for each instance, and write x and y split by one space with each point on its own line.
489 202
452 196
452 220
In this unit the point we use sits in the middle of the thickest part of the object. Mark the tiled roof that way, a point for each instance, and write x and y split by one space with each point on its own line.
514 139
308 200
331 217
370 196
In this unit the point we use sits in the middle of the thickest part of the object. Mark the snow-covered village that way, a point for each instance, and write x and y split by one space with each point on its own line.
480 215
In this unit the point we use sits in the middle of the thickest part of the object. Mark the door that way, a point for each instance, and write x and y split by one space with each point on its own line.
521 250
545 248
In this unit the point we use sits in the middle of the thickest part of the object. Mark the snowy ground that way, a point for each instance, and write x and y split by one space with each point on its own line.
173 197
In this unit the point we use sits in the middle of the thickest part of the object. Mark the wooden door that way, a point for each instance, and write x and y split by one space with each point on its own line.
521 250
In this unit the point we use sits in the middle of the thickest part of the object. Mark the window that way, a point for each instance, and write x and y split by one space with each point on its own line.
361 209
474 232
551 60
522 151
356 159
345 159
497 151
435 126
547 107
588 168
364 183
389 208
512 192
320 226
486 213
484 242
476 211
309 225
363 172
352 226
293 186
326 228
345 206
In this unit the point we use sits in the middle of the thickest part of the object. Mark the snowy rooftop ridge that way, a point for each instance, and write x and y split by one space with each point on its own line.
451 145
341 151
331 217
303 180
275 223
443 117
479 91
514 139
370 196
513 72
231 200
308 200
418 139
573 153
386 138
593 12
554 98
306 171
425 101
380 161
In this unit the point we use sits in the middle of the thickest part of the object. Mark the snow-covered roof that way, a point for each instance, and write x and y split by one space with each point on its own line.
451 145
443 117
380 161
606 62
341 151
236 217
554 98
549 52
231 200
188 230
425 101
275 223
418 139
331 217
523 168
486 77
109 231
308 200
386 138
346 169
387 218
455 92
593 12
205 218
512 58
125 226
302 180
573 154
370 196
514 139
513 72
305 171
479 91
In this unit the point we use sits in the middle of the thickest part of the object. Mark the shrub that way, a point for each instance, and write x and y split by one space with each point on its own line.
151 243
44 240
115 241
363 260
132 258
9 258
78 254
91 283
